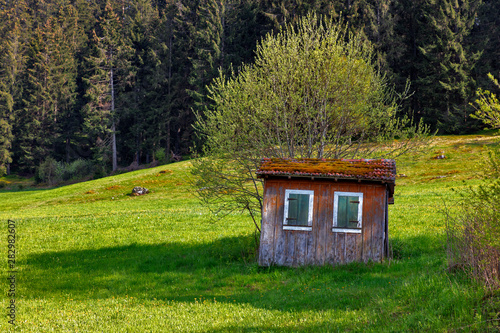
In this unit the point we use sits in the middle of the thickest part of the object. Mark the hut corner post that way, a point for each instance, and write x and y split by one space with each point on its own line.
386 224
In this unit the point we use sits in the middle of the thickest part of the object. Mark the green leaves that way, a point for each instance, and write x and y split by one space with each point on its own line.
312 92
488 106
309 94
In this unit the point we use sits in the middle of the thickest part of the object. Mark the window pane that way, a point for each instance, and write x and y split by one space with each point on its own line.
298 209
342 212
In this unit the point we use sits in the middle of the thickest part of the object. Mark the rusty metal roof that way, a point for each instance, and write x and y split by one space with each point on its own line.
355 169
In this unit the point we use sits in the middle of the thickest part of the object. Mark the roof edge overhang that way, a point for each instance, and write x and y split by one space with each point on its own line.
389 183
313 177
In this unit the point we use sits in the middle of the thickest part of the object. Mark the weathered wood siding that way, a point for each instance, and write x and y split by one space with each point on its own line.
321 245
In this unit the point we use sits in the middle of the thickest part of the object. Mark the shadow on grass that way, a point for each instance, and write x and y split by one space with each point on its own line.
134 268
143 258
222 271
414 247
17 189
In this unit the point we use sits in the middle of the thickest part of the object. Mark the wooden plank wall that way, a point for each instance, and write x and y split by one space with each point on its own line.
267 237
321 246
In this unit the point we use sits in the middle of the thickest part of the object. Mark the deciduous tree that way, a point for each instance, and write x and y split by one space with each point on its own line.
488 106
313 92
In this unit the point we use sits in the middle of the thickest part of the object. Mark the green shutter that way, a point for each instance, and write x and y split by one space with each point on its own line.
353 204
347 211
298 209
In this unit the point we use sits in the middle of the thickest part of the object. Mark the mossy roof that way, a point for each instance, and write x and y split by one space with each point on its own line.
358 169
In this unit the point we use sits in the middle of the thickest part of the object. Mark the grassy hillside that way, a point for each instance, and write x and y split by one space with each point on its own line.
92 258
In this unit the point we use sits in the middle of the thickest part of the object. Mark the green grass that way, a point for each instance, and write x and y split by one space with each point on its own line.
92 258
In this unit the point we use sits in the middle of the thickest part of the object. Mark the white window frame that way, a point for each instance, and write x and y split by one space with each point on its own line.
336 207
309 215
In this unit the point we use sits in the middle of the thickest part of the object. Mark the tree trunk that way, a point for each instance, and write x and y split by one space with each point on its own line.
169 146
67 150
113 127
113 145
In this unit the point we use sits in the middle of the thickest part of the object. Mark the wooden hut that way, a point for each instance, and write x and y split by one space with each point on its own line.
319 211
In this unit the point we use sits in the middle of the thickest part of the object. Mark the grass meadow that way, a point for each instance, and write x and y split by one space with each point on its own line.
92 258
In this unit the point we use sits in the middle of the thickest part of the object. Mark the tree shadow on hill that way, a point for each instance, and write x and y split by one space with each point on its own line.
18 189
145 258
123 269
223 270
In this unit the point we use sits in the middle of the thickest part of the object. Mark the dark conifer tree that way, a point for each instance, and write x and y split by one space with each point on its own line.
406 66
244 26
36 120
165 78
49 87
14 29
137 132
64 64
209 37
485 38
107 66
6 119
445 80
72 41
379 24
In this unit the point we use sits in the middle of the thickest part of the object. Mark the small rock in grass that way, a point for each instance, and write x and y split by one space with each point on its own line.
138 190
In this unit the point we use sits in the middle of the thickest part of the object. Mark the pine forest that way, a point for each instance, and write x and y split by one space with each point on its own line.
121 82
